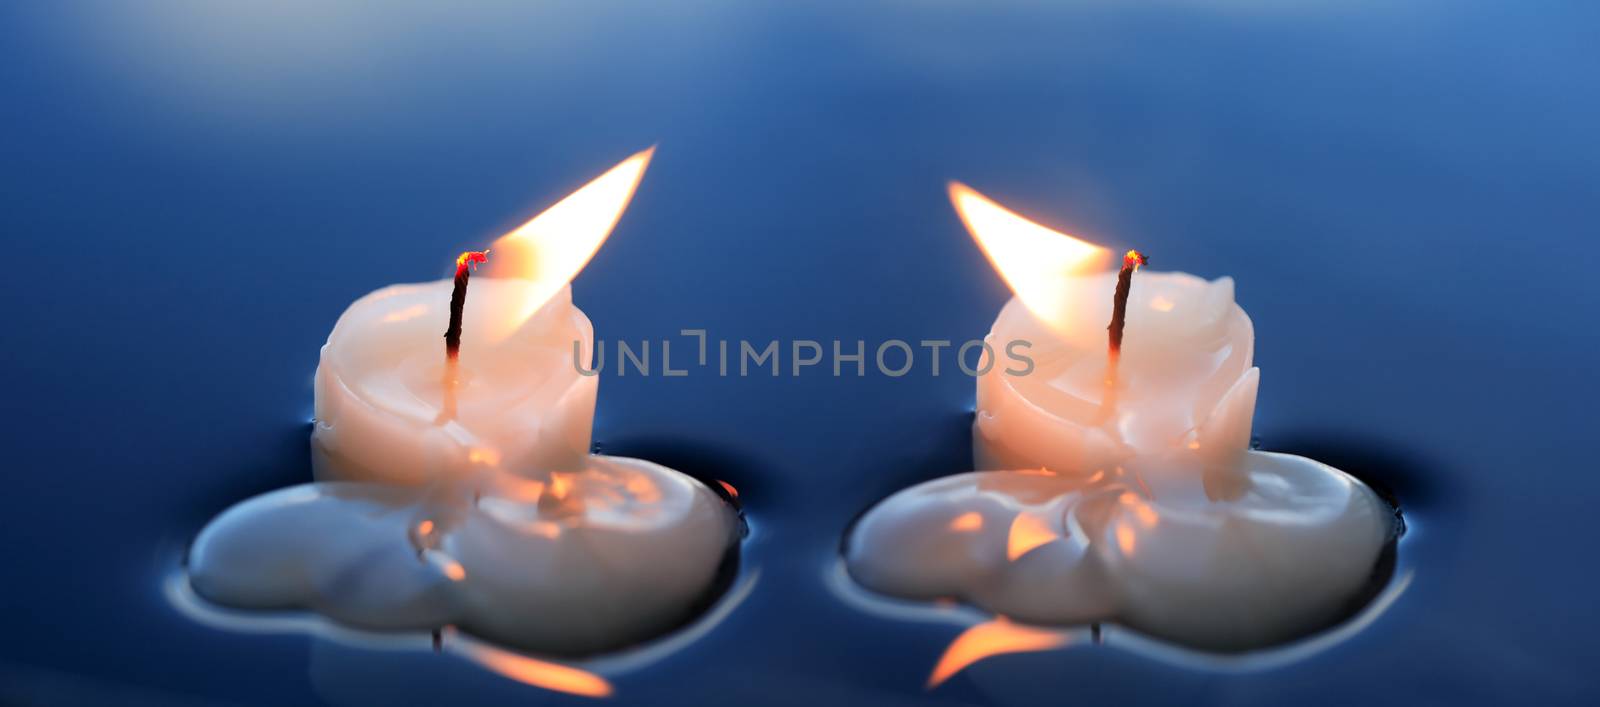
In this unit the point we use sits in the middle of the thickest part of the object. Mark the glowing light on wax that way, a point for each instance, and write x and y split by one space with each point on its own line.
552 248
506 392
967 522
1028 531
1032 259
1189 348
538 673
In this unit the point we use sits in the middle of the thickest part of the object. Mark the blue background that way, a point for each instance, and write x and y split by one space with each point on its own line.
1405 192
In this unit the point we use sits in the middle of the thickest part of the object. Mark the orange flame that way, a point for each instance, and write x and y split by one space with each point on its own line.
551 248
988 639
550 676
1031 258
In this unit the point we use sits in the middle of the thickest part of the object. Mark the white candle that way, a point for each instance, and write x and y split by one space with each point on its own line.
463 493
1137 501
1187 345
520 402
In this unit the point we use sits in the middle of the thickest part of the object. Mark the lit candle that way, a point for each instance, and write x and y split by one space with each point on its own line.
1123 487
397 402
455 484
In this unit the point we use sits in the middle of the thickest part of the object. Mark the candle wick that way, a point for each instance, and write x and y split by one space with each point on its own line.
458 299
1119 319
452 333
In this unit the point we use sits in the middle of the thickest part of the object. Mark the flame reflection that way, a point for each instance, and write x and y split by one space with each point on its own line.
1031 258
551 248
539 673
988 639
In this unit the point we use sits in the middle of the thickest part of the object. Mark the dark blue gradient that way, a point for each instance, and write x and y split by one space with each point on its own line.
1405 192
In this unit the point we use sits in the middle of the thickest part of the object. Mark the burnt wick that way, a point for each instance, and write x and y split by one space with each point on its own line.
458 299
452 333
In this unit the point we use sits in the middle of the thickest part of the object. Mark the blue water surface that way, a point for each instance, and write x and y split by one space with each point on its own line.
1405 192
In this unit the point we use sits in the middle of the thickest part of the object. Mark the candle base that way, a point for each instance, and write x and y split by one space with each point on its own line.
1151 545
627 551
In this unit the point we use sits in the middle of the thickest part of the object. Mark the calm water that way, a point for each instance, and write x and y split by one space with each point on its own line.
194 191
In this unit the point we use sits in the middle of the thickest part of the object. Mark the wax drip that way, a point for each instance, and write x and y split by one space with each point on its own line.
452 334
441 511
1131 261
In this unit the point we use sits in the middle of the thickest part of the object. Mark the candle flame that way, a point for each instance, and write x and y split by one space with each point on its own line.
1031 258
989 639
552 248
